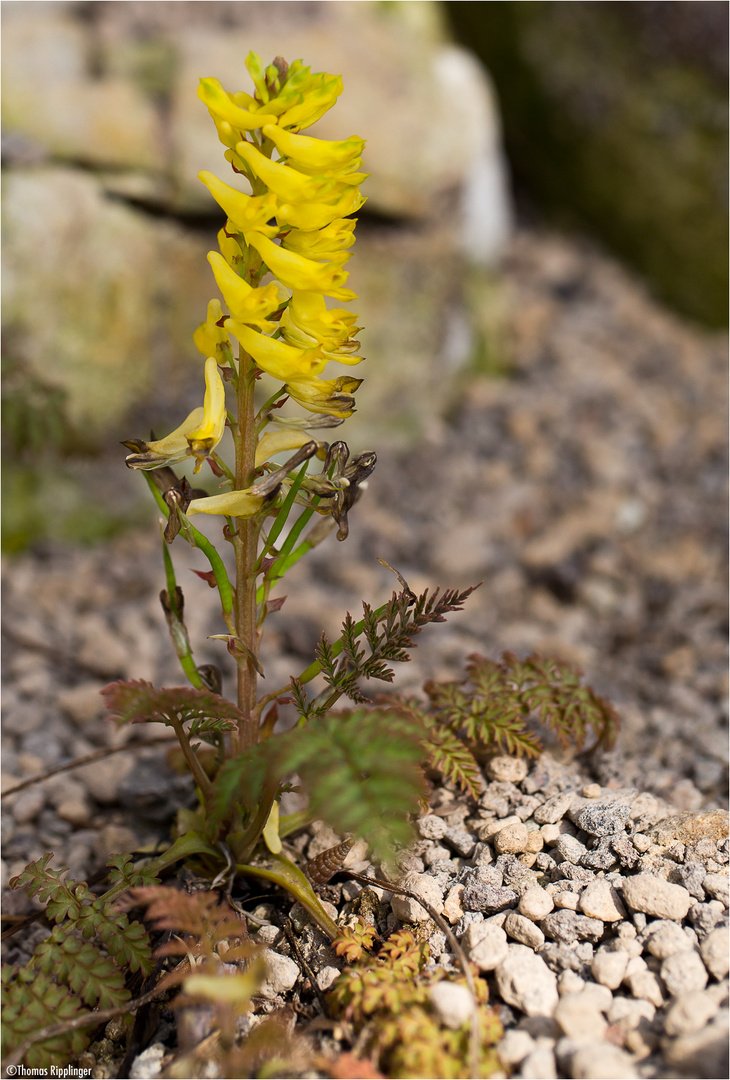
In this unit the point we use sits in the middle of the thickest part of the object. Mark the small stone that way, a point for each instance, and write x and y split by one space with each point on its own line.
525 981
691 876
644 984
486 945
560 957
453 1004
689 1013
281 973
27 805
535 903
570 848
601 819
602 1061
702 1054
567 901
600 901
550 833
76 811
664 939
630 1010
452 910
567 926
507 769
511 840
523 930
602 856
717 886
535 842
714 951
641 842
570 982
553 809
489 898
82 704
539 1065
422 885
326 976
112 840
431 827
684 972
609 967
579 1018
460 841
591 791
148 1063
691 827
655 896
515 1047
624 848
491 828
705 917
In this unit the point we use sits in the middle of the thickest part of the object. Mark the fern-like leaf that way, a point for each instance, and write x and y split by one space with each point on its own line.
124 872
448 754
63 900
92 976
32 1001
139 702
201 920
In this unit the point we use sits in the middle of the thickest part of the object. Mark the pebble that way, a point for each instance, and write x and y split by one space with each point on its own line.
715 950
507 769
691 827
460 841
567 900
422 885
645 984
570 848
452 909
452 1003
431 827
539 1065
684 972
717 886
601 819
609 967
701 1054
281 973
535 903
664 939
689 1013
485 897
579 1018
655 896
600 900
554 809
326 976
525 981
602 1061
515 1047
486 945
511 840
568 926
28 804
523 930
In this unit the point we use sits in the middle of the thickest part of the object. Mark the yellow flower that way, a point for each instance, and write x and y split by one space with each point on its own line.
297 272
197 436
288 184
315 215
246 304
317 156
211 339
230 503
322 243
245 211
274 442
305 97
220 105
307 322
276 357
333 396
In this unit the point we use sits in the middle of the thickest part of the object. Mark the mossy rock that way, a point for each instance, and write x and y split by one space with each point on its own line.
615 121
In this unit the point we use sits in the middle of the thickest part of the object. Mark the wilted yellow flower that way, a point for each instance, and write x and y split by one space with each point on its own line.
230 503
197 436
211 339
274 442
307 322
333 396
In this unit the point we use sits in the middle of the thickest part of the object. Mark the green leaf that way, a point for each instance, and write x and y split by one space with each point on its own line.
139 702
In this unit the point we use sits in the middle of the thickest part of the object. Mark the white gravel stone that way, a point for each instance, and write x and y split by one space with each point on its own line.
684 972
28 805
567 901
539 1065
525 981
716 886
579 1018
601 901
715 950
689 1013
633 1010
655 896
553 809
452 1003
507 769
664 938
515 1047
453 910
602 1061
491 828
431 827
326 976
523 930
645 984
486 945
512 839
591 791
422 885
535 903
281 973
609 967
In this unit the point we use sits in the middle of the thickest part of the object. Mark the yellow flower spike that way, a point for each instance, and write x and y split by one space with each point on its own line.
316 156
211 339
297 272
317 94
333 396
220 106
274 442
316 215
246 304
204 439
276 357
230 246
231 503
288 184
247 212
322 243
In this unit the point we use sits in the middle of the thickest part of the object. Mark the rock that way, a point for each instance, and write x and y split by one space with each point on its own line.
630 1009
717 886
486 945
535 903
591 791
704 1054
460 841
665 938
478 896
525 981
422 885
83 704
431 827
566 900
28 804
690 827
570 982
609 967
689 1013
554 809
523 930
704 917
281 973
511 839
326 976
505 768
599 900
104 779
452 910
579 1018
683 972
567 926
602 1061
114 839
514 1047
601 819
539 1065
714 952
490 828
148 1064
602 856
691 876
453 1004
654 896
570 848
645 984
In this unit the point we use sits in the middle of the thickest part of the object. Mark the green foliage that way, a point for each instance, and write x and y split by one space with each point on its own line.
83 962
139 702
354 941
386 998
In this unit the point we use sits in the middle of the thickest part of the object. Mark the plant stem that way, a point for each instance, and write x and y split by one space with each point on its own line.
246 552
